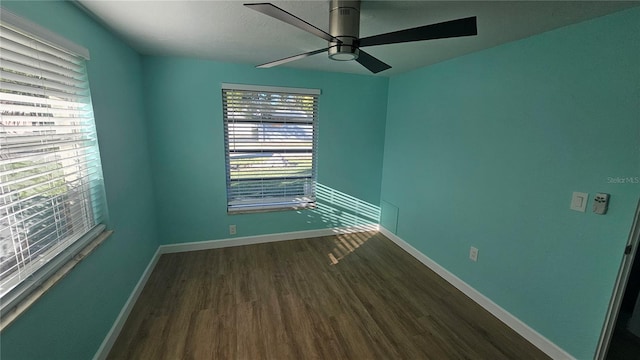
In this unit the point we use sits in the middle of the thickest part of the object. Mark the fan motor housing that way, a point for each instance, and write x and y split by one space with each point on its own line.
344 24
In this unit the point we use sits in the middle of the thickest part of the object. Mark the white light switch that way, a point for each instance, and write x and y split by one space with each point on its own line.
579 201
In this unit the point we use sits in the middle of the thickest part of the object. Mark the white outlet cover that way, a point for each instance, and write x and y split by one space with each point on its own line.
579 201
473 254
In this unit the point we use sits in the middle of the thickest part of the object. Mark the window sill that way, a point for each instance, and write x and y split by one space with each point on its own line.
271 209
37 292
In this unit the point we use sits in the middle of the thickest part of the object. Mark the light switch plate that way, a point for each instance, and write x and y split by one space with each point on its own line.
600 203
579 201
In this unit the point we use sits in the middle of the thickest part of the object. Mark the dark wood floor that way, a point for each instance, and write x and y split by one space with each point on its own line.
356 296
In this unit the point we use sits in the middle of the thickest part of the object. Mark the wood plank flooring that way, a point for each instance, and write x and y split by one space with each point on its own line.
355 296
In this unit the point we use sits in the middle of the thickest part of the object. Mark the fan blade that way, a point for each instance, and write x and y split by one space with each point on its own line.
447 29
371 63
291 58
276 12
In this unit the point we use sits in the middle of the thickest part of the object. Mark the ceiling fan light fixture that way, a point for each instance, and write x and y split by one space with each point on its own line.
343 56
341 52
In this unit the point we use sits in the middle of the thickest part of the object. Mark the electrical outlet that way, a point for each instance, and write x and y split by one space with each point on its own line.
473 254
232 229
579 201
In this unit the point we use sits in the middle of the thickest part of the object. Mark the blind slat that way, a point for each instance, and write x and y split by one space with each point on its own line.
35 204
40 83
9 121
19 36
89 151
48 170
38 221
30 57
47 187
14 98
41 161
12 108
15 45
44 75
39 91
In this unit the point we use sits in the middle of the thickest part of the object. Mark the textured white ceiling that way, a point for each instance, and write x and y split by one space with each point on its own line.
228 31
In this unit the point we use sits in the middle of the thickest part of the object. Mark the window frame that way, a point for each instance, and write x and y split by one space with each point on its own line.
60 261
261 201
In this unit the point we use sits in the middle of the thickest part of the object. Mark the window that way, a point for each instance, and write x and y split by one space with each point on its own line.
51 188
270 144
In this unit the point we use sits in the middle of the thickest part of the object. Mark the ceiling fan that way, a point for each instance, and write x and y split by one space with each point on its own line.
344 29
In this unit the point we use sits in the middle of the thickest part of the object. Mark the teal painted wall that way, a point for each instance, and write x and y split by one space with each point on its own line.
485 150
71 321
187 146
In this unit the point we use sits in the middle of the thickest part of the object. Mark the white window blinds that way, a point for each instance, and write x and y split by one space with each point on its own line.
270 146
51 189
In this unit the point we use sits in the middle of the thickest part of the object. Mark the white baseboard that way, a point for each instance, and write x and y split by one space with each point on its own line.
541 342
111 337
